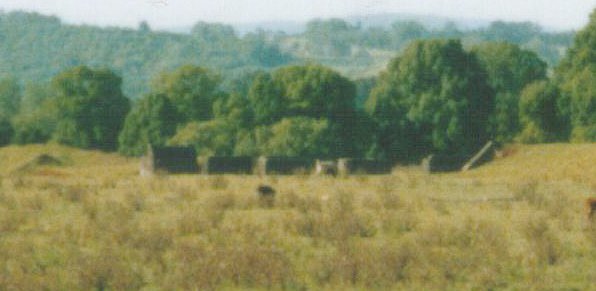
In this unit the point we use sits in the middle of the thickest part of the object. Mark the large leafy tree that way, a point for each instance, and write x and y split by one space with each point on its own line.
213 137
191 89
6 131
36 119
266 99
509 69
577 78
90 108
257 47
310 91
10 97
315 91
300 137
152 120
435 97
540 116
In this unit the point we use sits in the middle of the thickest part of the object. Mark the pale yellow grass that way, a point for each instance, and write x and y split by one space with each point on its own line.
515 224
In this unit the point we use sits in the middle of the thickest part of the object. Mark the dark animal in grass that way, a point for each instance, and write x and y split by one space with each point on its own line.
266 195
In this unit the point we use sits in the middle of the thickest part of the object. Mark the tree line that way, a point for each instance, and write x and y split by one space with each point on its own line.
35 47
434 97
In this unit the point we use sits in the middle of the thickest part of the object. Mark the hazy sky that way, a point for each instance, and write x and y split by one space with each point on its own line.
560 14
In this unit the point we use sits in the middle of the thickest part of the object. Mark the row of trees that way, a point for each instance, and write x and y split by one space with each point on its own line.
435 97
36 48
337 37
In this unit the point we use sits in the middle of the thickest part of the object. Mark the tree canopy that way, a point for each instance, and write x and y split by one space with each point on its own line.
152 120
90 108
435 97
34 47
191 89
509 69
576 76
10 97
540 115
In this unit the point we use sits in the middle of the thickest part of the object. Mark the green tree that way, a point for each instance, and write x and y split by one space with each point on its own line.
36 119
300 137
435 97
540 116
6 131
214 137
258 48
10 97
308 91
152 120
315 91
509 69
234 108
515 32
191 89
34 126
403 32
331 37
266 99
576 76
90 108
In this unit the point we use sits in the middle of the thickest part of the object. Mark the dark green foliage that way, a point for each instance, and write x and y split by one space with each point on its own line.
433 98
35 47
577 78
213 137
258 48
36 118
509 69
235 109
540 117
152 120
266 99
10 97
6 131
310 91
300 137
90 108
35 126
314 91
191 89
363 88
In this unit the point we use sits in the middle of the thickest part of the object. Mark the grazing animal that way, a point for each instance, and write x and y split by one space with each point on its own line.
266 195
591 208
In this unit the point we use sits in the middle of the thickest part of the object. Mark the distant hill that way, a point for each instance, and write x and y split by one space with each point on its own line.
34 47
429 21
384 20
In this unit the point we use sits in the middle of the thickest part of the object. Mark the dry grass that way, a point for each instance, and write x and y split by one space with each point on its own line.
92 223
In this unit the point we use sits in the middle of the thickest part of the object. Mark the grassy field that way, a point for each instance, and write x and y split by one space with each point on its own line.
88 221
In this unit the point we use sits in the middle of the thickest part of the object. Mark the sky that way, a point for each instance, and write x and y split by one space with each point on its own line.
554 14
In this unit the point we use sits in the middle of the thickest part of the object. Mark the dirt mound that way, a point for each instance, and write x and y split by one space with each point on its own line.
38 161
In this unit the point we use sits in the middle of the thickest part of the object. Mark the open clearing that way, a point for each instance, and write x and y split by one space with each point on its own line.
86 220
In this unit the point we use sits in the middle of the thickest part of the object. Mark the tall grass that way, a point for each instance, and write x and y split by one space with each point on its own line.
100 226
